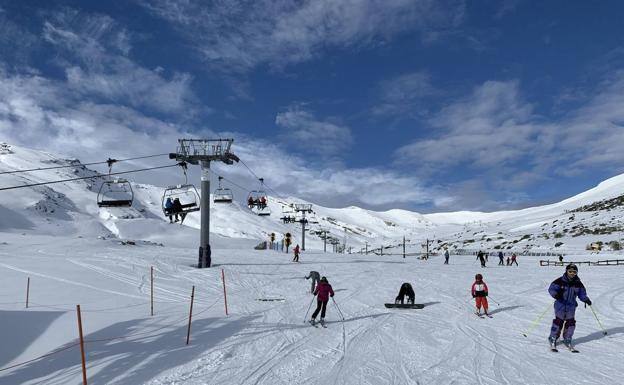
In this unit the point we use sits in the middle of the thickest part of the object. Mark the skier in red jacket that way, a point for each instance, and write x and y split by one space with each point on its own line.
479 293
323 292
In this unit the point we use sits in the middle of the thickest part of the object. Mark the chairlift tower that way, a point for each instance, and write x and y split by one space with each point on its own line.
202 152
303 208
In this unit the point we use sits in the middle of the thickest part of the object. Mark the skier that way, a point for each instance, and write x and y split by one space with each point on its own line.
296 252
513 259
479 293
501 261
564 290
169 209
481 257
508 261
316 278
323 292
446 256
406 290
561 259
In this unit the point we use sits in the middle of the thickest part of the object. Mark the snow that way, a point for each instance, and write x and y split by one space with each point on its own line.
100 258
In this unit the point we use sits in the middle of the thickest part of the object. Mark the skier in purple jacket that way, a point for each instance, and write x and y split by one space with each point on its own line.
564 290
323 292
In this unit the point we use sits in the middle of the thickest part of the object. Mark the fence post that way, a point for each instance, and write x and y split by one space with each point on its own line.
152 290
188 332
82 351
27 291
224 291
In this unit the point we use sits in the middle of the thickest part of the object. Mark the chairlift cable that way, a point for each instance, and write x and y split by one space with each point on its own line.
86 177
80 164
264 184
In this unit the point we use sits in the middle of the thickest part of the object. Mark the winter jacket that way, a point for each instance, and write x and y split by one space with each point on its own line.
324 291
296 250
479 289
314 275
176 207
565 291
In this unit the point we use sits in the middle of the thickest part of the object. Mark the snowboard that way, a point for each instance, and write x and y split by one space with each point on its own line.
404 306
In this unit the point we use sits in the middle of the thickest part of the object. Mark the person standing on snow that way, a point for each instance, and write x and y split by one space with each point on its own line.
479 293
513 259
501 262
564 290
481 257
446 256
296 252
323 292
316 280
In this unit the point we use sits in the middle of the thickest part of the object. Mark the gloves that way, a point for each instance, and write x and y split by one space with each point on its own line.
474 296
588 302
332 296
486 293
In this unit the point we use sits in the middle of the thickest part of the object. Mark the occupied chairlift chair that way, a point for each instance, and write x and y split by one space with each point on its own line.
116 192
255 199
222 195
186 193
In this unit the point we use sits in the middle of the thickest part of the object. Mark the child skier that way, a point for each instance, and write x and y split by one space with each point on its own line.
513 259
323 292
564 290
479 293
296 252
406 290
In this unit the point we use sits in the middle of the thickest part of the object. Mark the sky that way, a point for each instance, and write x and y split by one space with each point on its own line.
430 105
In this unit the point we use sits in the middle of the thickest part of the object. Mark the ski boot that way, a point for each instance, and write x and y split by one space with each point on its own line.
313 322
553 343
568 344
323 322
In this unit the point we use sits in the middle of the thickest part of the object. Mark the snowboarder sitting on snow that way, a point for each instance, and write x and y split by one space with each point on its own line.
323 292
406 290
316 279
479 293
564 290
169 209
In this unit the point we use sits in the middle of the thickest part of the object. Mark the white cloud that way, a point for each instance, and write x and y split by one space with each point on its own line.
239 35
304 131
496 132
96 64
403 95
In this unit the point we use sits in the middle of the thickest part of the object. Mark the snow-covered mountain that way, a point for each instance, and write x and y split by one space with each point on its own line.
70 208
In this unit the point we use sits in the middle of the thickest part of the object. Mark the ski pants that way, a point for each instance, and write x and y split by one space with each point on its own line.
481 302
564 319
320 306
501 262
296 258
315 282
514 261
446 260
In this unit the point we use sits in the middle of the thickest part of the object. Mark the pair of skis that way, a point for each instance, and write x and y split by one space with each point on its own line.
483 315
315 324
554 349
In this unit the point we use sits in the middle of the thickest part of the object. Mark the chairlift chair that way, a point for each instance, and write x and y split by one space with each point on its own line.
188 196
222 195
255 197
115 193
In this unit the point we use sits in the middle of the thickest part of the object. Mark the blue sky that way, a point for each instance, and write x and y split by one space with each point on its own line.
431 105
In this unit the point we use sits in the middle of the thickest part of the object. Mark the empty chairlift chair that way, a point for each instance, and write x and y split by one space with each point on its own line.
222 195
115 193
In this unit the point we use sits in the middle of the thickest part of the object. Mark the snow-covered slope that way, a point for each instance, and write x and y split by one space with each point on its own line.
72 252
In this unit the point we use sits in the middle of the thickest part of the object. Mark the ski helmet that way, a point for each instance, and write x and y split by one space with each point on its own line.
323 279
572 266
478 277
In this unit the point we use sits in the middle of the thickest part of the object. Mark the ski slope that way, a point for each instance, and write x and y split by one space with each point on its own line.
262 342
100 258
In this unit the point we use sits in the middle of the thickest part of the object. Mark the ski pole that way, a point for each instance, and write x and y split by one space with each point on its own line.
307 311
493 300
597 319
337 307
534 323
